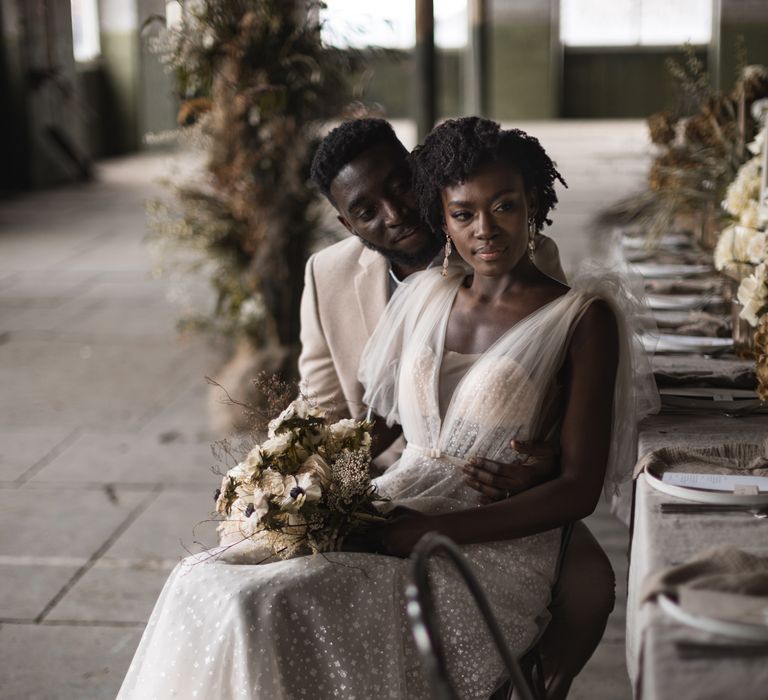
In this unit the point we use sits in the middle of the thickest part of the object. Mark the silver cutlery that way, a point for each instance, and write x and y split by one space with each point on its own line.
707 650
759 512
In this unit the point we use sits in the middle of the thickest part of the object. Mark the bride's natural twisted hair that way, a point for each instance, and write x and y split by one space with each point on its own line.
458 148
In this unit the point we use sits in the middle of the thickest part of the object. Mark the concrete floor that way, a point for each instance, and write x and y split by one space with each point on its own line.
104 430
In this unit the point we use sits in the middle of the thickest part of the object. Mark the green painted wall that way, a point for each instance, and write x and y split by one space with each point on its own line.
755 35
14 164
523 83
120 102
391 83
618 83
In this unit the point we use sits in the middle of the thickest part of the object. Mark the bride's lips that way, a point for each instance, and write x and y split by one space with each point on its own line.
490 254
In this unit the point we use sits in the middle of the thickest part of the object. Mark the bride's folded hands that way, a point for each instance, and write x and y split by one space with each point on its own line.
499 480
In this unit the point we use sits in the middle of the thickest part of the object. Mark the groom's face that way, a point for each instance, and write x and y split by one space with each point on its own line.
373 196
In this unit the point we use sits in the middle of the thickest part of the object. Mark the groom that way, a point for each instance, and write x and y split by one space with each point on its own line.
362 168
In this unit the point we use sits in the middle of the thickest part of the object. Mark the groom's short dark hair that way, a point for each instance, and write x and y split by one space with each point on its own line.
345 143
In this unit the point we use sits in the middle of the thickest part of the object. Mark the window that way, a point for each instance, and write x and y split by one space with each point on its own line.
391 24
635 22
85 29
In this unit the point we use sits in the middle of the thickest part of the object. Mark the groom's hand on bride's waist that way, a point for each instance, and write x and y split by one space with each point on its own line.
499 480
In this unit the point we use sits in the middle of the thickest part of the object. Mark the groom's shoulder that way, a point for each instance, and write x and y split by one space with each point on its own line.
345 252
338 258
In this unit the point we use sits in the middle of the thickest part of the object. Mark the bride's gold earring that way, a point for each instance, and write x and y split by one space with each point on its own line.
448 249
531 239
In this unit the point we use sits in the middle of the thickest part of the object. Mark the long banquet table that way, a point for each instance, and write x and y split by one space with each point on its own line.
665 658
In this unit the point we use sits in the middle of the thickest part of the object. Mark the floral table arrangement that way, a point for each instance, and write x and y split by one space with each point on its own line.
742 249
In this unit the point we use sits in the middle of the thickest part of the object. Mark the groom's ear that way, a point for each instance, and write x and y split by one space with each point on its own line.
345 223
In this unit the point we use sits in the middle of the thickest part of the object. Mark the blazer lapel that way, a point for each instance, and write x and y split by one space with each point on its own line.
372 287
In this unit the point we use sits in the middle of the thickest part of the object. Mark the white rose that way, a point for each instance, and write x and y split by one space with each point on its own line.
744 234
757 248
745 187
747 290
749 215
316 465
209 39
758 107
272 482
301 409
277 445
345 428
756 146
285 416
254 458
241 472
750 311
724 248
252 310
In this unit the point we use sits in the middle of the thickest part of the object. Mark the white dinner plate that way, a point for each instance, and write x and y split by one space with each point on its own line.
740 630
725 498
669 342
665 271
675 302
672 240
709 393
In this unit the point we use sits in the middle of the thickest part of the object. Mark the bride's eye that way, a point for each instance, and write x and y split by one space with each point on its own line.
461 215
505 206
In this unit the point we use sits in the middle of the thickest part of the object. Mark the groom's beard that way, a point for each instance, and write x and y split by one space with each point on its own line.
422 258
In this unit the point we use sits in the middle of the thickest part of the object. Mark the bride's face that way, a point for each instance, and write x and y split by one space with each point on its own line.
487 218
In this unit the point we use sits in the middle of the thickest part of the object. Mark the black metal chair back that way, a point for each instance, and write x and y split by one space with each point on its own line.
423 615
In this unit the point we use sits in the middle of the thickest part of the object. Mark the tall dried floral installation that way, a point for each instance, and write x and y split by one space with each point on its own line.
255 83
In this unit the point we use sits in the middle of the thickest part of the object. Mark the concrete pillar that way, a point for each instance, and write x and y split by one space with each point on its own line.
120 51
425 86
478 66
157 100
526 60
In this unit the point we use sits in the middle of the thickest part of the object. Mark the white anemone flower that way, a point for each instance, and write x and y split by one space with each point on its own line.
252 508
302 488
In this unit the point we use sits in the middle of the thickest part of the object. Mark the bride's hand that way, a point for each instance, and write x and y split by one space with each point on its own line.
399 535
498 480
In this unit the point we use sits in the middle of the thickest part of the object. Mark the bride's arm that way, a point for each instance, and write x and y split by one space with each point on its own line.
590 376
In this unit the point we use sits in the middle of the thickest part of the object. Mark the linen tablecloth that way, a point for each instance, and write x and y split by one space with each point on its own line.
655 667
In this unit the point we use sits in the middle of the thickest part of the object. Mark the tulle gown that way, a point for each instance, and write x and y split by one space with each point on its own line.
334 626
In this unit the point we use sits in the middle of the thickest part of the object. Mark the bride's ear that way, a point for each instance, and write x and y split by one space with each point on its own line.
532 200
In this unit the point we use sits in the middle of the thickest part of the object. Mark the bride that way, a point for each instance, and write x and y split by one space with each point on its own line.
464 363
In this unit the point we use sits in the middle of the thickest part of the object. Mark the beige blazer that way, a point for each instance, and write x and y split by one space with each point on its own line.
346 288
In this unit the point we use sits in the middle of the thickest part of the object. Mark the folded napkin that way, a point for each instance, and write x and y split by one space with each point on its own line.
737 458
699 285
669 257
721 582
704 371
693 323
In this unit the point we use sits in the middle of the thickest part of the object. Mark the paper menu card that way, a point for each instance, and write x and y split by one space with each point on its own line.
716 482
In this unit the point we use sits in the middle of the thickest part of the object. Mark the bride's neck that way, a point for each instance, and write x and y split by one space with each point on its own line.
487 289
